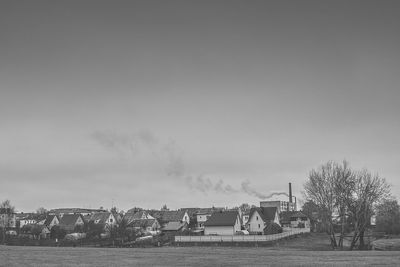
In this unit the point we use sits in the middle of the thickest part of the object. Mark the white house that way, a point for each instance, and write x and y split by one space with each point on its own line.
260 217
51 220
222 223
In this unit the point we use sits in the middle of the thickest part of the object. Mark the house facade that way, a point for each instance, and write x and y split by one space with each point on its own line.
7 219
260 217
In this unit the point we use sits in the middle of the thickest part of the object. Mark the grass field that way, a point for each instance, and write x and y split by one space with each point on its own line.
190 256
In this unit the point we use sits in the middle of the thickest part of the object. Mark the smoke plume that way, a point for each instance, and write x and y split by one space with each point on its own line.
171 158
252 192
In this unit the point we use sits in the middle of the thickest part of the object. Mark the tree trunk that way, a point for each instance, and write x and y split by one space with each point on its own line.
362 244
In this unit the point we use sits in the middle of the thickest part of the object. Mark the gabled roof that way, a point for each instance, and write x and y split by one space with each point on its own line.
100 217
144 223
140 215
49 219
169 215
191 211
267 213
174 226
69 219
225 218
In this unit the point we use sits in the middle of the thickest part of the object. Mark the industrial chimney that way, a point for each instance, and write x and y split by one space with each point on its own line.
290 193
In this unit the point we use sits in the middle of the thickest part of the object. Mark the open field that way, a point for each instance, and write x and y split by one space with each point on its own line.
190 256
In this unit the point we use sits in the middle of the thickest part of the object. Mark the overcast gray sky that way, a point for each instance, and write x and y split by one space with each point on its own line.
192 103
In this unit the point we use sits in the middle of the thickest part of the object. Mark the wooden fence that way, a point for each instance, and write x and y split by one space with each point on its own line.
241 238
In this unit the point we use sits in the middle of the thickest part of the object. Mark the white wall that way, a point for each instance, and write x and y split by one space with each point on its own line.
256 224
218 230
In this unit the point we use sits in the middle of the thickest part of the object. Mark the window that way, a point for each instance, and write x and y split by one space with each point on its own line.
259 226
111 220
257 218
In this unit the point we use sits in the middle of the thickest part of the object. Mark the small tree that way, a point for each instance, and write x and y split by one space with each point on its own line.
57 232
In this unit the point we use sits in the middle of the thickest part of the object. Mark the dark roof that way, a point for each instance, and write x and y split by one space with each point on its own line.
142 223
140 215
226 218
174 226
100 217
49 219
69 219
267 213
169 215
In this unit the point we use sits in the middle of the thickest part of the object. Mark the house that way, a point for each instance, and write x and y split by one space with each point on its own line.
35 231
299 220
175 227
222 223
166 216
146 225
25 218
69 222
7 218
139 215
104 218
259 218
51 220
294 219
204 214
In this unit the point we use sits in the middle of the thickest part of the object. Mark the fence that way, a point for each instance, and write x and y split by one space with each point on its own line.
241 238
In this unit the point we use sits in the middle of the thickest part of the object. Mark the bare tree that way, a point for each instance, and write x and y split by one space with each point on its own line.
41 210
6 213
368 190
320 188
341 193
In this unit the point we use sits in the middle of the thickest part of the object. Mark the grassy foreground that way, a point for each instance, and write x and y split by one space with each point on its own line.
190 256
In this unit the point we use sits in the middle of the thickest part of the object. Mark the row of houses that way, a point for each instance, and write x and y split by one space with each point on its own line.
207 221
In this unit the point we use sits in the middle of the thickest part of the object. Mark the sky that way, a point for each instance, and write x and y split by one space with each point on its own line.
192 103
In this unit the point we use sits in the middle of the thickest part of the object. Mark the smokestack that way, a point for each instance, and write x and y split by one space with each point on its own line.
290 193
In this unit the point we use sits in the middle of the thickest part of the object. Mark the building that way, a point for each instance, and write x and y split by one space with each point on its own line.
69 222
279 204
7 218
146 225
104 218
25 218
202 215
166 216
84 212
259 218
223 223
51 220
